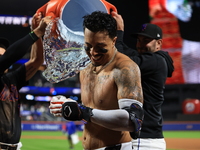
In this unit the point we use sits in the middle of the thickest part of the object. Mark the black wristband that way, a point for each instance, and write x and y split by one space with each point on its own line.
33 36
86 113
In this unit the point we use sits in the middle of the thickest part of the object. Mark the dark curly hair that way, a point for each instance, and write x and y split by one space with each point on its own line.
100 21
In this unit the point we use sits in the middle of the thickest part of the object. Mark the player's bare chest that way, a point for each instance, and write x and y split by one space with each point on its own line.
95 82
99 92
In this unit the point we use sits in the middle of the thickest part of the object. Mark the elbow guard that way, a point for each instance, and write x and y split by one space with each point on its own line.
136 114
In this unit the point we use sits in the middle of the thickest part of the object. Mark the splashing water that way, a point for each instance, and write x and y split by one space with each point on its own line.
63 51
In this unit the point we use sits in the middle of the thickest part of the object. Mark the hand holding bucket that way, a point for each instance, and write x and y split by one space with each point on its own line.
64 40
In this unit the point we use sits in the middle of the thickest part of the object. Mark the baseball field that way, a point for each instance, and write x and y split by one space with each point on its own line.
56 140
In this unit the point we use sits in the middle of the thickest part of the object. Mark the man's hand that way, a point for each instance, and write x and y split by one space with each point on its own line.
36 20
40 29
56 105
119 20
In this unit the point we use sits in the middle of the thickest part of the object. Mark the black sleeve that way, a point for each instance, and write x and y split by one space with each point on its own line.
18 77
16 51
122 47
144 61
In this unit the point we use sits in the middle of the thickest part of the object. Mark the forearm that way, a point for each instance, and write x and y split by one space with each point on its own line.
110 119
19 48
16 51
37 52
36 59
73 111
122 47
128 117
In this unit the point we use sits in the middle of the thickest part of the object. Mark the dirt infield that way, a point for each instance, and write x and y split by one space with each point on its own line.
183 143
43 137
172 143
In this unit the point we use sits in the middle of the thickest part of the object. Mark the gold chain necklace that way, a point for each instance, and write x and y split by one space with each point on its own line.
96 72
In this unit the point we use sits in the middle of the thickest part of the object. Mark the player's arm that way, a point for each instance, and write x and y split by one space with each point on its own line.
130 97
36 56
36 59
120 45
130 100
18 49
128 81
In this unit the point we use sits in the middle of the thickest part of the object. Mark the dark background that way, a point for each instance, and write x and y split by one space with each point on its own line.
134 13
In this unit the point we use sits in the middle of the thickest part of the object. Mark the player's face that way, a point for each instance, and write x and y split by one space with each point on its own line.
99 47
146 44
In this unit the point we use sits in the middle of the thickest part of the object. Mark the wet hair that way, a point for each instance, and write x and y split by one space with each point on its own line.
99 21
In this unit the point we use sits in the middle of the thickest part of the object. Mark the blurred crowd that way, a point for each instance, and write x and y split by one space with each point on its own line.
37 112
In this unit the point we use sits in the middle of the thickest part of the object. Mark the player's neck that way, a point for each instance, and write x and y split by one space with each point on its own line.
95 71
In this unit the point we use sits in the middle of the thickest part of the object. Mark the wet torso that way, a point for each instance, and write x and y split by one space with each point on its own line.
100 91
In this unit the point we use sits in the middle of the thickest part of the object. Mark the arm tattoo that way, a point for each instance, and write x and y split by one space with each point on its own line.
129 83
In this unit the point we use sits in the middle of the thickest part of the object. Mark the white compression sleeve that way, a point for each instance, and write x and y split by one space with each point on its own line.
117 119
127 102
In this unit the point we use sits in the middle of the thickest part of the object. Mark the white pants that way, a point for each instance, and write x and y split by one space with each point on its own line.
149 144
124 146
191 61
19 145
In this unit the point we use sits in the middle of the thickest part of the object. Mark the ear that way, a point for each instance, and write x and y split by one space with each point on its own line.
114 40
160 41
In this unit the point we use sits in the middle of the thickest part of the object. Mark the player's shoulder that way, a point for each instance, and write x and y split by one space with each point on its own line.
122 60
126 68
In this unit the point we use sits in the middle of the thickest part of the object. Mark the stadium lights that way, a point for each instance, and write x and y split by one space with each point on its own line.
49 90
15 20
29 97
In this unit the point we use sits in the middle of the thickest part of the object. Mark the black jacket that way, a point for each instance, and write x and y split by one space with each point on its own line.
155 68
10 84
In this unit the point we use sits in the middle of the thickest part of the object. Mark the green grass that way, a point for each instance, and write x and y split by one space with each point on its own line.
182 134
55 140
43 133
50 143
44 144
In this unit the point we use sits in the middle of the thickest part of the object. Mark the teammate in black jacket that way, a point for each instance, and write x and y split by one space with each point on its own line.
155 65
11 82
